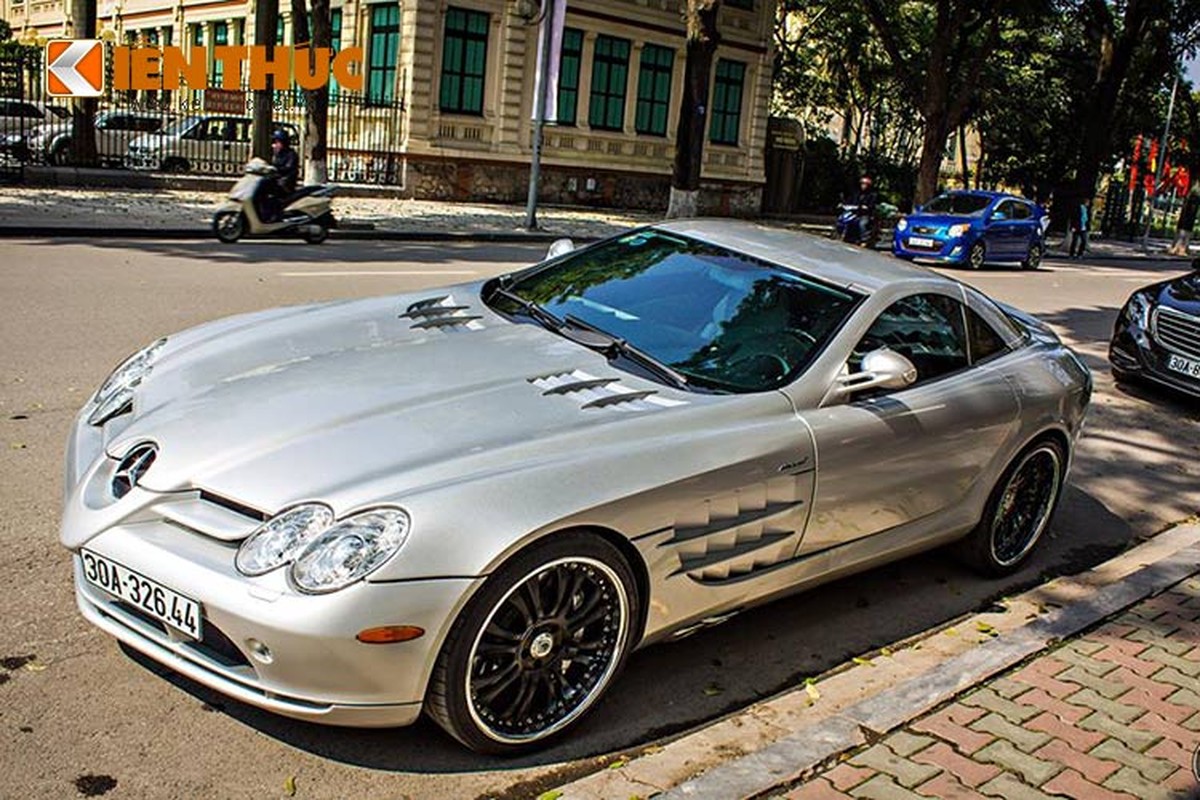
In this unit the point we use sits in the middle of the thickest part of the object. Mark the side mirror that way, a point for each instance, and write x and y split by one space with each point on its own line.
881 369
559 247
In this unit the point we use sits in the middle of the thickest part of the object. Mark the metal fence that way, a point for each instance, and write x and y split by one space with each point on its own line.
199 132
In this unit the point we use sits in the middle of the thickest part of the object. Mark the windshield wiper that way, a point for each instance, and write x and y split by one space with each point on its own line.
530 308
606 343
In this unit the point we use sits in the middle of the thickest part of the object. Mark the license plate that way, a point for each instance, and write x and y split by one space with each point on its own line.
921 241
1183 365
149 597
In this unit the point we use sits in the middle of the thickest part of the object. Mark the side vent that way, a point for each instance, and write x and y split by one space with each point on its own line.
592 392
441 313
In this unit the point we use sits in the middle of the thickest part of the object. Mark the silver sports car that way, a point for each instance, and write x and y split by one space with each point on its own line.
476 501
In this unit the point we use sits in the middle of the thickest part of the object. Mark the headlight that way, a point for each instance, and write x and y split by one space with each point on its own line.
350 550
117 391
280 539
902 224
1139 311
956 231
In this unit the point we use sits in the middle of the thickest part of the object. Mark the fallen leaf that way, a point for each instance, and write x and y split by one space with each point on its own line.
289 786
983 627
620 762
17 445
811 689
886 651
652 749
35 667
951 632
863 661
712 690
553 794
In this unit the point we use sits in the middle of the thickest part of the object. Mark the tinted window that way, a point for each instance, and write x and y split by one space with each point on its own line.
28 111
925 328
985 342
726 321
1021 211
971 205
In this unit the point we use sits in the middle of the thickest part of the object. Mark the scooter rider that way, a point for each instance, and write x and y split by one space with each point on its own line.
866 200
287 168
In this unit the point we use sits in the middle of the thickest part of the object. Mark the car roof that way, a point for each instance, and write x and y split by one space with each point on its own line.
826 259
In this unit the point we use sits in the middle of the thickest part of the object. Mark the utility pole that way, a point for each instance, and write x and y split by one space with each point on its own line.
539 115
1162 160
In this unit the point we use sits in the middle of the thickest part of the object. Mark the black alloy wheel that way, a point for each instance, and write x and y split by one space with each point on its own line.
1034 258
537 647
1019 510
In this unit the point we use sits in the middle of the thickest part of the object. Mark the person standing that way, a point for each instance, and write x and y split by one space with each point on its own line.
1079 232
1187 221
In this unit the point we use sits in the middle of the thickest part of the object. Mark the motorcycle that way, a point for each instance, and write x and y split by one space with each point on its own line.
305 212
854 226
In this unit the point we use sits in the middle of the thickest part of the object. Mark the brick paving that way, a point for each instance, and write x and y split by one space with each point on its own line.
1113 713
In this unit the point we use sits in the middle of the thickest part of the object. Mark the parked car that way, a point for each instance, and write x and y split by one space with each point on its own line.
114 131
19 119
973 228
1157 334
477 500
213 143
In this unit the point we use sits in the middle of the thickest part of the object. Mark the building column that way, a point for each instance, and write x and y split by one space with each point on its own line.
583 103
628 126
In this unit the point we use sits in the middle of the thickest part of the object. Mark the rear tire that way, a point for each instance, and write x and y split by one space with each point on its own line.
536 646
176 165
1034 259
316 237
1018 511
229 225
61 155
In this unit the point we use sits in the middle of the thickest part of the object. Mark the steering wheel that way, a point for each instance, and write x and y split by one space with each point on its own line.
778 364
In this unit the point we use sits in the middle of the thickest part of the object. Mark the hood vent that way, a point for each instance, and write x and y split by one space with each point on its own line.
593 392
442 313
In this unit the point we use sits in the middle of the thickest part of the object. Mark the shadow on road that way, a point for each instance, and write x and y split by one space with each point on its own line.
668 689
332 255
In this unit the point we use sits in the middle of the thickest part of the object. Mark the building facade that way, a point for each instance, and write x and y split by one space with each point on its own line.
464 72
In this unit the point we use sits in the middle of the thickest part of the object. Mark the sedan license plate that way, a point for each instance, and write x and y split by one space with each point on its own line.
147 596
921 241
1185 366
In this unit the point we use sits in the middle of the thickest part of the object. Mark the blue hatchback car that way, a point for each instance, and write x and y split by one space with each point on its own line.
974 228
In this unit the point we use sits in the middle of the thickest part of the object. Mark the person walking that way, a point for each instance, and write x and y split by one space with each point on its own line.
1079 232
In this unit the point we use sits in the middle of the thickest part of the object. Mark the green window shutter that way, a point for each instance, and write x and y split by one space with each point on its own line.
610 72
464 61
726 119
654 90
568 76
384 45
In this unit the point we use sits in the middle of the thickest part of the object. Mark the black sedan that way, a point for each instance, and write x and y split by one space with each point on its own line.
1157 335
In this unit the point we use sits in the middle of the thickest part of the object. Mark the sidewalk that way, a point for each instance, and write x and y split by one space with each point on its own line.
185 212
1114 713
1085 687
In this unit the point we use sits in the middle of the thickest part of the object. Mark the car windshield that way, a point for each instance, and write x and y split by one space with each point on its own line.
180 127
968 205
722 320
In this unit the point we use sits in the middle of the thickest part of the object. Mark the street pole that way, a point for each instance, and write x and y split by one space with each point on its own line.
1162 160
539 116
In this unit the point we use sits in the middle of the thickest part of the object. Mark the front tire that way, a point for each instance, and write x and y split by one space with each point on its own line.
1018 511
320 234
537 646
976 256
229 225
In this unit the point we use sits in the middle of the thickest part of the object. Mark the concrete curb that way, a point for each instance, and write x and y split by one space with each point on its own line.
515 237
791 734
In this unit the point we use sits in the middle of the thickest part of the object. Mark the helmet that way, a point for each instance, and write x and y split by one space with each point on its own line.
280 136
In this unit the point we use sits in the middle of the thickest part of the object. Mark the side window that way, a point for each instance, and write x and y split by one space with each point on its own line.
925 328
985 342
1022 211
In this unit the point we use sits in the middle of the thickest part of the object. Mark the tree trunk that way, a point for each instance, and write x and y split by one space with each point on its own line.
266 19
83 111
702 40
316 101
962 155
933 149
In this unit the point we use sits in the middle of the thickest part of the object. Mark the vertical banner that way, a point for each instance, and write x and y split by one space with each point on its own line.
555 19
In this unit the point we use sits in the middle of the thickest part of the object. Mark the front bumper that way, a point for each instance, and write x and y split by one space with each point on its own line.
316 670
943 250
1134 353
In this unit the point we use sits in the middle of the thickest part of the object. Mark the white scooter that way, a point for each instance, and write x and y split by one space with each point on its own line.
307 212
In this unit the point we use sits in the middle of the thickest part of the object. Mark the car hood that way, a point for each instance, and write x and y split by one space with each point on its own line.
1182 293
351 402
